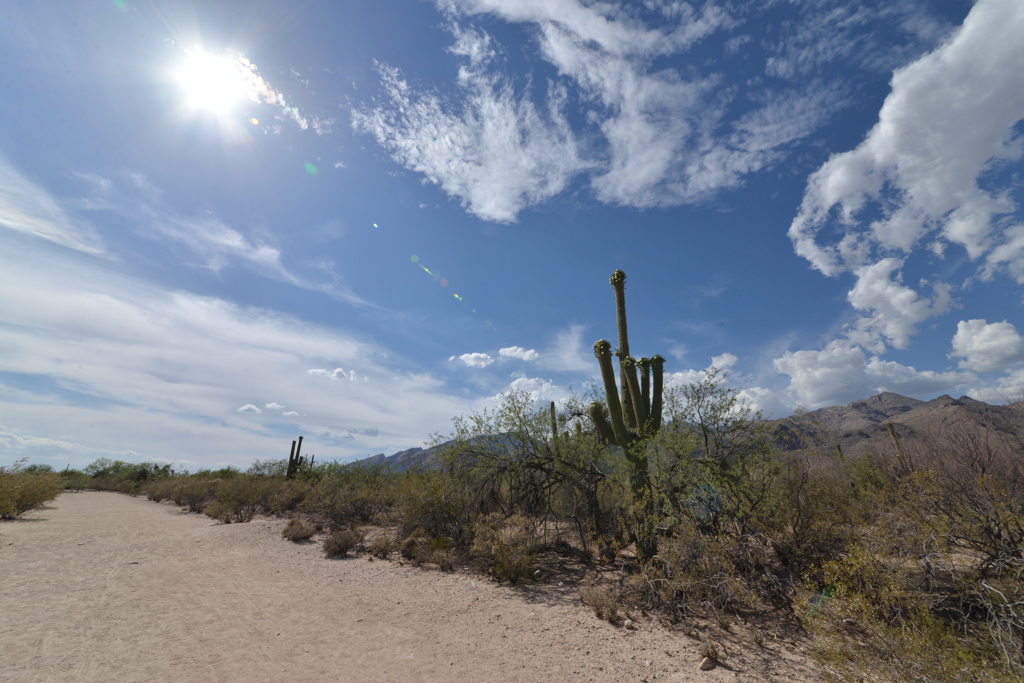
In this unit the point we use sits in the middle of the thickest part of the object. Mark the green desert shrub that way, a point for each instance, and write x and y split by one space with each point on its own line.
298 531
22 491
435 505
193 492
240 498
505 546
339 542
695 570
347 494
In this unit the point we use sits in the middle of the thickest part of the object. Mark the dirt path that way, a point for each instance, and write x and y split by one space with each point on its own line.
104 587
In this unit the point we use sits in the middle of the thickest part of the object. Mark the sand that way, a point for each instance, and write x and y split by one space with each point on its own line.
105 587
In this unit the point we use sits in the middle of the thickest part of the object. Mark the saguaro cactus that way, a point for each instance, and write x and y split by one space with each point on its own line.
297 462
633 416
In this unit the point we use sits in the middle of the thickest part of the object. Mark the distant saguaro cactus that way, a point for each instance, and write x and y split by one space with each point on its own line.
296 462
633 416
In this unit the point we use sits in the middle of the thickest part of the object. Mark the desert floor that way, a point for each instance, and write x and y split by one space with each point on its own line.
105 587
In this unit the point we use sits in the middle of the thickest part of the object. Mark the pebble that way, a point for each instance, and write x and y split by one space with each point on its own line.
628 623
707 663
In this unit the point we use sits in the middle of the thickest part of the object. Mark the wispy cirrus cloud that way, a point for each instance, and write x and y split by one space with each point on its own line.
210 242
644 135
28 208
163 372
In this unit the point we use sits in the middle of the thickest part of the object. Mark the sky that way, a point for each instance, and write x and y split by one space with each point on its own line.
225 225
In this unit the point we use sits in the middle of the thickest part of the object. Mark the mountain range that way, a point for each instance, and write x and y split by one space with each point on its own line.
856 428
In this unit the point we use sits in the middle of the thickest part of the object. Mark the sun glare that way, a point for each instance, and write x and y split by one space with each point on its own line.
216 84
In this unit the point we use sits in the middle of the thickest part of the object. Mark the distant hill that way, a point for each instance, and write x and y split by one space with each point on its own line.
860 426
856 428
402 461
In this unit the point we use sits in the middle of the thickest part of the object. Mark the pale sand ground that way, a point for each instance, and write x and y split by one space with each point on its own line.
104 587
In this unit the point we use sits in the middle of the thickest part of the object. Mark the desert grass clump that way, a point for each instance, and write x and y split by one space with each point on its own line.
381 545
602 601
21 491
709 650
339 542
298 531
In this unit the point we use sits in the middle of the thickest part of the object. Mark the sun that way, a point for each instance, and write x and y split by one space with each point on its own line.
216 83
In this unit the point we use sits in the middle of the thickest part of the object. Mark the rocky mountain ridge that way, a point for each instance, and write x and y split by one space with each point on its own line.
856 428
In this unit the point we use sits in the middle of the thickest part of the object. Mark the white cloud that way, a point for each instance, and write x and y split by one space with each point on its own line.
27 208
496 152
895 308
569 353
520 353
335 374
987 346
948 119
163 372
274 406
540 390
249 408
474 360
290 413
724 361
655 135
841 372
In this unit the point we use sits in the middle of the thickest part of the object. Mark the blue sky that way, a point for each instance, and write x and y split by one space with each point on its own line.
223 225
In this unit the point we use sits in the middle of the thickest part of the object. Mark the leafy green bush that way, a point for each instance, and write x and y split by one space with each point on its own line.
22 491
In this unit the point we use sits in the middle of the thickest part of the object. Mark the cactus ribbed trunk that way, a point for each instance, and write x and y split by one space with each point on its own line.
633 416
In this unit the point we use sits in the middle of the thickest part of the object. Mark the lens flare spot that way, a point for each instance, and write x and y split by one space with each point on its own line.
443 283
376 226
120 4
415 258
254 121
311 169
457 297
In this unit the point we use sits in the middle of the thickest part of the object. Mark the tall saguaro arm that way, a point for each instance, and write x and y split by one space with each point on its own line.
634 406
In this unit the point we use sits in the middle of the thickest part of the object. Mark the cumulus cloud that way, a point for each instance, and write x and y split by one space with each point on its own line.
274 406
949 117
290 413
474 360
249 408
894 309
842 372
927 175
520 353
724 361
540 390
335 374
985 346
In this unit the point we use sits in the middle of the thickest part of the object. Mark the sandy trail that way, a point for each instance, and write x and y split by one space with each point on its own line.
105 587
